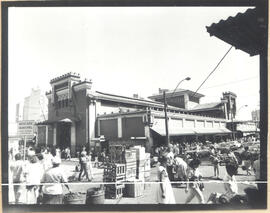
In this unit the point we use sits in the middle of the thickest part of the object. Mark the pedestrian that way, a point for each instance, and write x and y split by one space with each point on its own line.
164 193
48 157
170 161
90 168
230 186
195 185
83 165
246 157
58 152
33 177
215 159
18 177
181 168
67 153
53 193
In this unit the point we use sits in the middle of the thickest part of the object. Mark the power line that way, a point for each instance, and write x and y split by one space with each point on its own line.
213 70
232 82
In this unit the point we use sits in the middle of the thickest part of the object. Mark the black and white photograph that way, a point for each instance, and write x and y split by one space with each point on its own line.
114 105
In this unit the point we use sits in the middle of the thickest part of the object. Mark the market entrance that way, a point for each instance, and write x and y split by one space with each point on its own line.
63 135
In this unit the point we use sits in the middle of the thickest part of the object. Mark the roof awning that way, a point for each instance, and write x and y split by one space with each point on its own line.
204 131
173 131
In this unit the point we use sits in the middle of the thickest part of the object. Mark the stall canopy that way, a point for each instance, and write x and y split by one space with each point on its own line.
173 131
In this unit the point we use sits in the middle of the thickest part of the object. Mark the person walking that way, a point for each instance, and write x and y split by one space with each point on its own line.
170 161
195 186
214 157
83 165
164 193
246 157
47 158
18 177
53 193
33 177
67 153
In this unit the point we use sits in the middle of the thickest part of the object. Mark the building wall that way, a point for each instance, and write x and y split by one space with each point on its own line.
35 106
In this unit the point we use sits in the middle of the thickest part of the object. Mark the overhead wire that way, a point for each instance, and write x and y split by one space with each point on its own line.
213 70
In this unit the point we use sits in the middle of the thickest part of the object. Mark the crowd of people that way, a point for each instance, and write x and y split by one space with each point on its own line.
38 178
179 166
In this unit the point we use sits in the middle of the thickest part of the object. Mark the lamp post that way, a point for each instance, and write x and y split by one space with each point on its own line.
165 109
232 120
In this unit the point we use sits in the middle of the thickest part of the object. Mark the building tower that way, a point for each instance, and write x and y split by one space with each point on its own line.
230 98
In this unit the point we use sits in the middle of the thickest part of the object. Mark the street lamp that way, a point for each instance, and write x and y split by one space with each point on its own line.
165 109
232 120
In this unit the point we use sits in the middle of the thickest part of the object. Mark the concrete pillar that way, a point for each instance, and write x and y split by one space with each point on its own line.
119 127
204 123
54 134
98 126
73 138
92 119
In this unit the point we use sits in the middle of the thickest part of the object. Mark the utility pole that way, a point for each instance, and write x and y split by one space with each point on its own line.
166 119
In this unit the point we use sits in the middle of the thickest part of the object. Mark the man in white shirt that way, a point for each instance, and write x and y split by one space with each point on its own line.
53 193
170 161
181 168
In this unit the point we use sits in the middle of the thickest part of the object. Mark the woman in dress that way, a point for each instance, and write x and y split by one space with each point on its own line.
165 193
195 186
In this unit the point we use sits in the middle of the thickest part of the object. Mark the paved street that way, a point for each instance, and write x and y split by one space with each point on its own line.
148 196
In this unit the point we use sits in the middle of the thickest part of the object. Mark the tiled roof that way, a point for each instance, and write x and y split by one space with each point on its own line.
206 106
245 31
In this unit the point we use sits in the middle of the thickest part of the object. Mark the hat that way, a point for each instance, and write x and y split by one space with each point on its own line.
56 160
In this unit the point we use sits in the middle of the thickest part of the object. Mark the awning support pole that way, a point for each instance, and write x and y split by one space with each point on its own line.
166 119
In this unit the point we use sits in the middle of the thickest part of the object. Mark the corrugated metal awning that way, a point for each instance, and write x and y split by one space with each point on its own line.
178 131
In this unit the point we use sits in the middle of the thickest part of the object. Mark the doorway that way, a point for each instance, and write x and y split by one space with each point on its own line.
63 135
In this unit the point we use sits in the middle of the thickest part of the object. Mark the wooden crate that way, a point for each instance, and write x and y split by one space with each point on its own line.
115 170
114 193
114 179
134 189
130 172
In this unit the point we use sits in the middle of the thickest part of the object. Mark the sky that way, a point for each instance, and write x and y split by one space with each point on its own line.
128 50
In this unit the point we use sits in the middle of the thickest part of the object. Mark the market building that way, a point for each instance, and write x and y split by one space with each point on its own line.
77 116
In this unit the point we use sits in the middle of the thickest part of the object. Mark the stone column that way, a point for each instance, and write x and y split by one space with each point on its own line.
73 138
54 133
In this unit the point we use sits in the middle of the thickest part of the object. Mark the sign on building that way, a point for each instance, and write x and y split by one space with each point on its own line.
26 128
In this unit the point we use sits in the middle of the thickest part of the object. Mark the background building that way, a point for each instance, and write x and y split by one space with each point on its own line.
35 106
